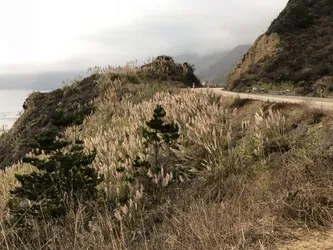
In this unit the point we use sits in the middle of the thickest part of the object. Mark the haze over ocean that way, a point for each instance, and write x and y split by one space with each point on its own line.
11 102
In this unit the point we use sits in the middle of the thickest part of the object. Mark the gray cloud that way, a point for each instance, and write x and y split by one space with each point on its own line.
200 32
71 64
181 26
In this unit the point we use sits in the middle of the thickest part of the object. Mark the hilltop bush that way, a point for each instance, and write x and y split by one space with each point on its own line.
164 67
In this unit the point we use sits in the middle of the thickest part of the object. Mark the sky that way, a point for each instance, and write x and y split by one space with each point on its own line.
67 35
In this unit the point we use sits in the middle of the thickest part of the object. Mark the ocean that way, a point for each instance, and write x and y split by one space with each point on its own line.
11 102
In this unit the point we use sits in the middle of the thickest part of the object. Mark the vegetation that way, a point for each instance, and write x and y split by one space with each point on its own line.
153 172
239 102
61 182
45 116
164 68
182 170
304 30
48 114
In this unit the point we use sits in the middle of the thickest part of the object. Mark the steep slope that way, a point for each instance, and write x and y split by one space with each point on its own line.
45 115
297 47
217 72
267 166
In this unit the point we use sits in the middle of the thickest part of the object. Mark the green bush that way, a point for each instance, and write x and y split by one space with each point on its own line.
62 181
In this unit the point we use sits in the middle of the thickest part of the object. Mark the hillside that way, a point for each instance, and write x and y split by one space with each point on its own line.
217 72
297 48
181 169
47 114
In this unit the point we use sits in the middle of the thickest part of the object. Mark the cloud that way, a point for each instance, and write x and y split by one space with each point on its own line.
65 65
76 34
193 31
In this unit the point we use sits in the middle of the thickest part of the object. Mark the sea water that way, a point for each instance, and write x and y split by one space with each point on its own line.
11 102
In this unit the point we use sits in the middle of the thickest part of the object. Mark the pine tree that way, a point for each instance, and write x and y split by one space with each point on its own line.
63 180
159 133
158 136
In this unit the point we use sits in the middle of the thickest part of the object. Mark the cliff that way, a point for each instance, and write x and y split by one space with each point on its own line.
296 48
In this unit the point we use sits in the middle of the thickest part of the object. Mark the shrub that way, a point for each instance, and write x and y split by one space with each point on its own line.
239 102
63 180
316 116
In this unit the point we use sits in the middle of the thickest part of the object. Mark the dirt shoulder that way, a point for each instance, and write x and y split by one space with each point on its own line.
309 241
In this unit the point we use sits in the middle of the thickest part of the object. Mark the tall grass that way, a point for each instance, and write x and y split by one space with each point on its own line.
239 183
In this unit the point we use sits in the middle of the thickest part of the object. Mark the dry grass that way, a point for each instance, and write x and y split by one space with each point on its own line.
245 177
239 102
316 116
69 233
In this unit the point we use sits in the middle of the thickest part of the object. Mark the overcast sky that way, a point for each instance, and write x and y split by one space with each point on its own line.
53 35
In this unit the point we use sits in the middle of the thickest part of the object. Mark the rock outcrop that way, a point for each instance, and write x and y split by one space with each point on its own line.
165 67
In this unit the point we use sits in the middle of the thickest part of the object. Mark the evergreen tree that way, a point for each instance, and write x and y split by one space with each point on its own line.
159 133
158 136
62 181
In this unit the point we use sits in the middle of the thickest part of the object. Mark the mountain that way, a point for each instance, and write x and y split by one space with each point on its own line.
217 72
40 81
297 48
201 63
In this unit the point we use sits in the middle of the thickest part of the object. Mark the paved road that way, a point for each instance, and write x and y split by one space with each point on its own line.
322 103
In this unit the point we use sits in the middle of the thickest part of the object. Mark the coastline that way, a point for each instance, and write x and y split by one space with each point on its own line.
11 102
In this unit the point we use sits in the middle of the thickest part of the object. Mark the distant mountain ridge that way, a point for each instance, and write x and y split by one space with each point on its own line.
217 73
38 81
216 66
201 63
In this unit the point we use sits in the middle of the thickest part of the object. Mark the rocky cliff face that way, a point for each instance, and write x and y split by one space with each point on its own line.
297 47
